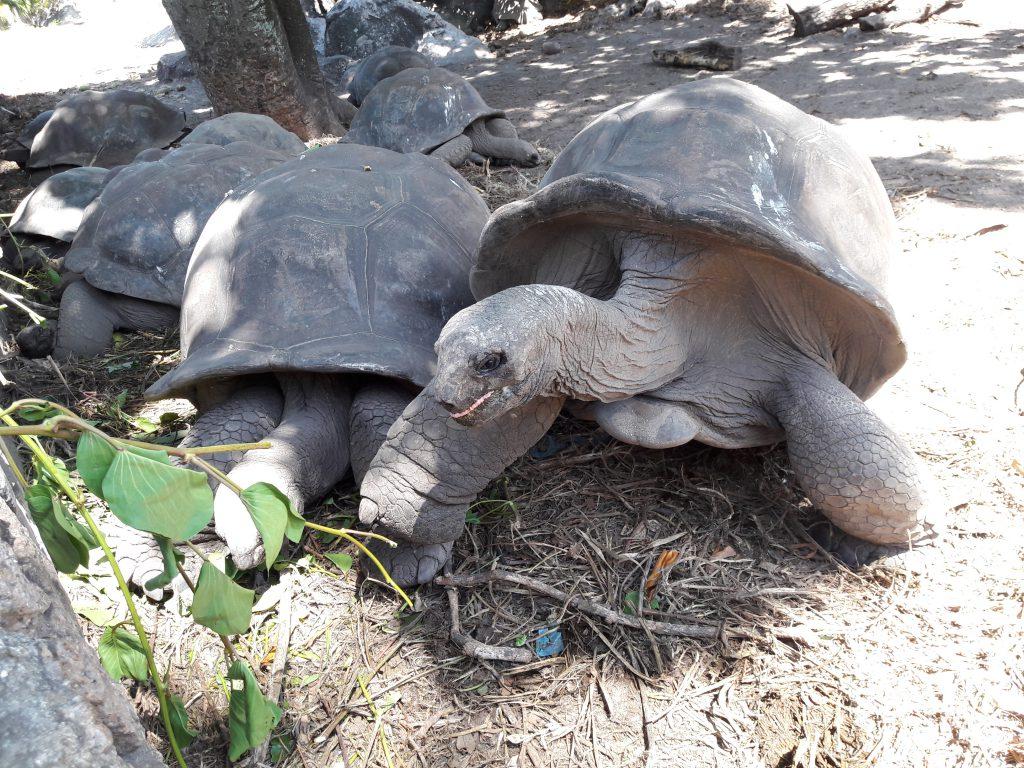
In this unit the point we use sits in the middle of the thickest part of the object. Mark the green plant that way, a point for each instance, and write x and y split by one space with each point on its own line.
172 502
38 13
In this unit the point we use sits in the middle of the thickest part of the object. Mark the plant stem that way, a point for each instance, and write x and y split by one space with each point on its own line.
79 502
350 532
373 559
212 470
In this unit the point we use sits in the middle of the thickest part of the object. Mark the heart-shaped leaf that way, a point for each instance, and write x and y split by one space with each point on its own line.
269 510
220 604
251 715
154 496
66 540
179 722
122 654
94 456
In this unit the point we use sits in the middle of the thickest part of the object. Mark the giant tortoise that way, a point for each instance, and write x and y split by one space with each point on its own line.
99 128
47 219
310 312
706 263
135 241
388 61
244 126
436 112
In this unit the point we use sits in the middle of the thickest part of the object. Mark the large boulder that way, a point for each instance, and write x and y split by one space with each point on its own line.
174 66
358 28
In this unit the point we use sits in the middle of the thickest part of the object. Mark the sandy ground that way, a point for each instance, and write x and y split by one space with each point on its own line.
880 668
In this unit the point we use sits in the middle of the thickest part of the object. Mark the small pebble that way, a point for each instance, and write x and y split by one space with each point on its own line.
550 48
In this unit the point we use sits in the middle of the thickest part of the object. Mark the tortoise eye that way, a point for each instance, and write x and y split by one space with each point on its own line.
491 362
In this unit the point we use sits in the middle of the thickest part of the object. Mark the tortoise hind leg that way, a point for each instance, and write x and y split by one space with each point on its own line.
374 409
854 469
645 421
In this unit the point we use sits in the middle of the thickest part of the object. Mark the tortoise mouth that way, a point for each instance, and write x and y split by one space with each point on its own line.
490 405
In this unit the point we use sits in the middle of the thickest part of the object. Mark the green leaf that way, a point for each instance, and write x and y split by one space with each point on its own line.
172 558
296 525
220 604
340 559
66 540
94 455
179 722
122 654
33 413
269 510
251 715
152 495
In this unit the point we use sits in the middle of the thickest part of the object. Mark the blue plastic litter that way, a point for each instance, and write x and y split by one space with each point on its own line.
549 642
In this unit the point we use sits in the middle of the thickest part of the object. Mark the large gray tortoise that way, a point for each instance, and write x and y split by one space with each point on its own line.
706 263
310 312
244 126
436 112
135 241
390 60
47 219
97 128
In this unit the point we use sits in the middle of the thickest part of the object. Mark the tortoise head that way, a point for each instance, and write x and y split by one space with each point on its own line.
501 352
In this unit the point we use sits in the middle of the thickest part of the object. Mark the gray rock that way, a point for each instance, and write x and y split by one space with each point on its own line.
468 15
550 48
516 11
174 66
157 39
358 28
318 31
623 9
873 22
58 707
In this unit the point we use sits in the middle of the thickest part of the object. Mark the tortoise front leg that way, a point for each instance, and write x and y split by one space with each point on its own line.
431 468
307 457
374 409
855 469
454 152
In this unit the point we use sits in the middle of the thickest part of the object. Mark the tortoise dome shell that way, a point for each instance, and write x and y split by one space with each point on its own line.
348 259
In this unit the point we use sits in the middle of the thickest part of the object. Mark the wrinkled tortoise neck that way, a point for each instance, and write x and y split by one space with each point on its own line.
488 144
634 342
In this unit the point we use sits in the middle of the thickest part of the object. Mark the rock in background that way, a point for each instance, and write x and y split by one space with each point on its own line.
358 28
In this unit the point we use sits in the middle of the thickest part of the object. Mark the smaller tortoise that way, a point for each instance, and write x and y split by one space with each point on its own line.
102 129
681 271
438 113
18 152
47 219
260 130
366 73
135 241
310 311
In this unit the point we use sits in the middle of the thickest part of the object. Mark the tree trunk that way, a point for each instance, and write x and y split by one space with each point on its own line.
58 707
257 56
812 18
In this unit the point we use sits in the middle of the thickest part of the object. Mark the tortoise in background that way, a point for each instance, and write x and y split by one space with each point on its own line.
705 263
438 113
136 239
390 60
97 128
260 130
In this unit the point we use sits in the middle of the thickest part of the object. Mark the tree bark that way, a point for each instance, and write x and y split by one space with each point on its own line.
809 19
257 56
58 707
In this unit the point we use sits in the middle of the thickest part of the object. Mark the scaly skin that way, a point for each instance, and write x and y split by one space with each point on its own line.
855 469
431 468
